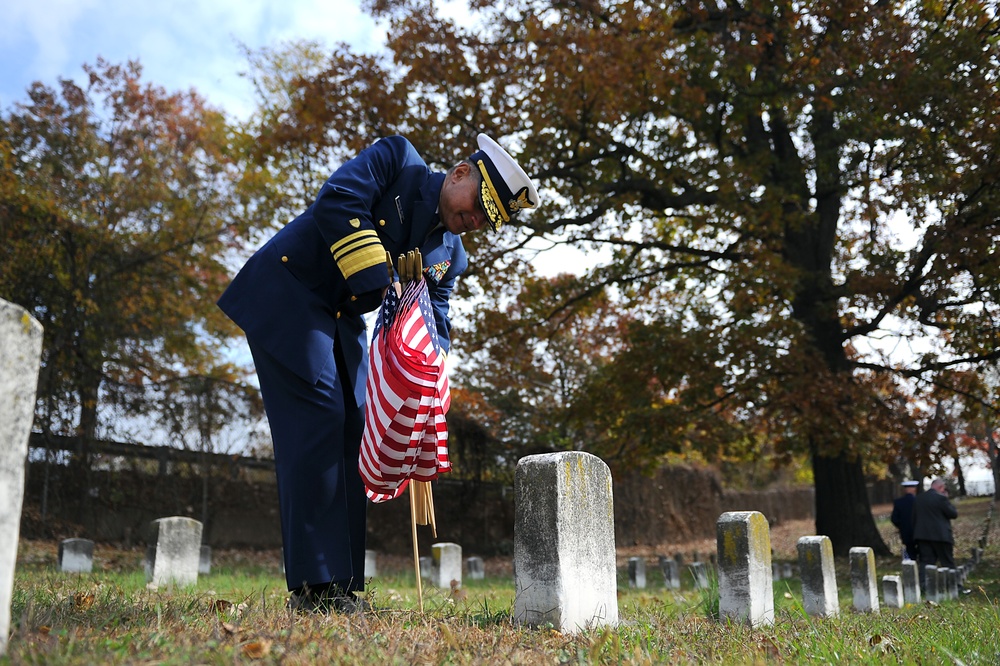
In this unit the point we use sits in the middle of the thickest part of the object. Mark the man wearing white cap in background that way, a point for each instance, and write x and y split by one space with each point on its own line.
300 299
902 518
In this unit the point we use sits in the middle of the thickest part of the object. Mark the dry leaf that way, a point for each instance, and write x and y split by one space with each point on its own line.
257 649
222 606
230 628
880 643
83 601
44 629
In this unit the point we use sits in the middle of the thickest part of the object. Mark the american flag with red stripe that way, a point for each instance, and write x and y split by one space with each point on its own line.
407 397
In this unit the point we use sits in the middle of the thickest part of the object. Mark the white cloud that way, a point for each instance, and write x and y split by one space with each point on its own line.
181 44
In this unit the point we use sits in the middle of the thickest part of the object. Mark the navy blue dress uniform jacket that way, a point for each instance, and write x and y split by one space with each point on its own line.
300 300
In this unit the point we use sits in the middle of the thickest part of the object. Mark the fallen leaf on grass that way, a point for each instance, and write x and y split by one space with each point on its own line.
257 649
230 628
222 605
44 629
882 644
83 601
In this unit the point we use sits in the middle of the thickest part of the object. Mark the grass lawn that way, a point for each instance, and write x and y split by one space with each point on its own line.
237 614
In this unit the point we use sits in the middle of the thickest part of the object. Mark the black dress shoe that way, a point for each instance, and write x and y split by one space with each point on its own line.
329 600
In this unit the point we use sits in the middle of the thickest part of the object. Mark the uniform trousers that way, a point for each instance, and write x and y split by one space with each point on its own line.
316 430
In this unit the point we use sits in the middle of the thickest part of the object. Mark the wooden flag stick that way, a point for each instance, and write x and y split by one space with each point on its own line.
416 548
430 510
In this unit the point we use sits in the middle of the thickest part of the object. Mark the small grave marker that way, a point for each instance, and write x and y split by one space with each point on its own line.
892 591
20 354
447 565
746 594
76 555
564 542
819 579
863 588
174 551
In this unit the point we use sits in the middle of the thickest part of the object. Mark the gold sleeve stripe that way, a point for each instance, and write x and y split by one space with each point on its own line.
366 256
351 238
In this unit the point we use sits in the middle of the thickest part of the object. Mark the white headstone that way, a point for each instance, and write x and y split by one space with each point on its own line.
892 591
671 577
952 575
819 578
447 565
20 354
863 587
637 572
911 583
474 568
699 572
746 592
427 567
930 583
205 561
775 571
943 593
786 570
76 555
371 564
173 555
564 542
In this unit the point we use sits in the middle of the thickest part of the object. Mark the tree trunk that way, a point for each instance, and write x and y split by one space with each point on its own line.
843 511
961 476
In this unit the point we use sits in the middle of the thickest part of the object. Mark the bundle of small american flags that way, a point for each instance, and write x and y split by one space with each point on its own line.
406 435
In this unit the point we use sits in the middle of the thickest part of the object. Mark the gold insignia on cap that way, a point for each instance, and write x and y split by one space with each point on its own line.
520 201
491 200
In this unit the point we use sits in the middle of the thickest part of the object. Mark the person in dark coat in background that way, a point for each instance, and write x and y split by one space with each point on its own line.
300 299
932 516
902 518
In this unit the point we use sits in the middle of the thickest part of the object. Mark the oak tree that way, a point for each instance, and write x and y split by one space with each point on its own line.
788 192
117 212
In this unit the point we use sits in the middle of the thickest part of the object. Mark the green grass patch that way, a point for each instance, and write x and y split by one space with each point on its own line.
238 617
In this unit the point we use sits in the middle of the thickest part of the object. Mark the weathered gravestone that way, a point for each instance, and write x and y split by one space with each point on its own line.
952 578
371 564
892 591
943 593
20 353
174 551
930 583
447 565
637 572
474 568
427 567
76 555
699 573
564 542
863 587
819 579
911 583
746 593
205 561
671 576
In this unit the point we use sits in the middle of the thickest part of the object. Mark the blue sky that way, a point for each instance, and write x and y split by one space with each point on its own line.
181 44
